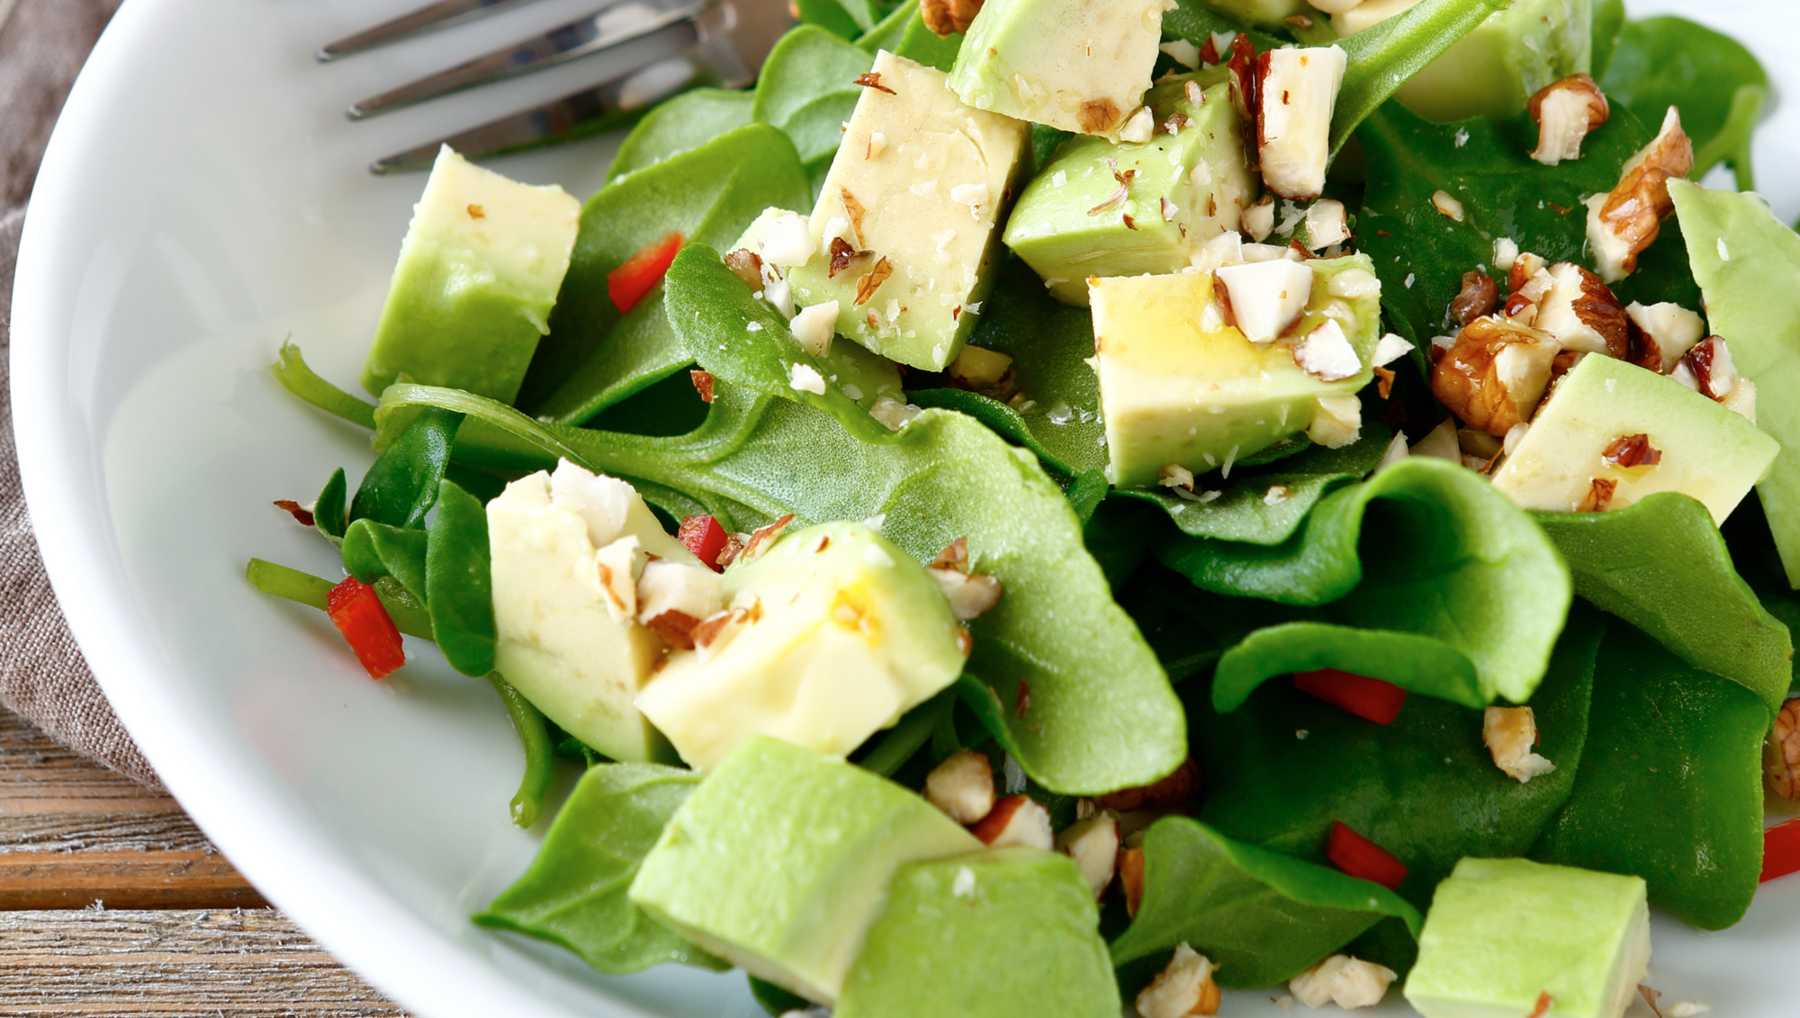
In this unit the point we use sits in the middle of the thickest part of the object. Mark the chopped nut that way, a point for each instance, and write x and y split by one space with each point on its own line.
988 372
855 210
1708 368
1183 989
872 79
717 629
617 567
1448 206
1016 820
1509 734
1131 878
1623 224
868 284
1662 334
1781 754
1342 980
970 596
894 414
1327 223
1581 313
1599 496
962 786
1140 127
1388 349
763 537
842 254
1629 451
1479 296
805 378
675 627
1494 374
955 556
1326 353
301 514
1566 111
1175 792
1174 475
1337 421
1094 845
1506 253
1259 219
747 265
947 17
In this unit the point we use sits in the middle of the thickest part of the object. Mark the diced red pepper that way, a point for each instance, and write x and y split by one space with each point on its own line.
359 614
632 281
1369 699
705 538
1360 857
1781 850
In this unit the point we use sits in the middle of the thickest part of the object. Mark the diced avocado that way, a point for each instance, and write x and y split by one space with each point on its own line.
1180 386
562 644
1078 65
1494 69
1262 12
1706 450
1105 209
478 273
912 202
1009 933
782 858
838 635
1503 934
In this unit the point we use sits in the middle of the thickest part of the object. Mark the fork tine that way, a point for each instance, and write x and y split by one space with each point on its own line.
613 23
579 113
441 14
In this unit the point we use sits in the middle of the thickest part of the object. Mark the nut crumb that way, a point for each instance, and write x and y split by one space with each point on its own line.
872 79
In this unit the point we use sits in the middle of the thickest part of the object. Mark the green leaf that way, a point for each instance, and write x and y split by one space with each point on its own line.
808 89
313 591
402 483
888 33
291 370
458 584
1385 55
1714 79
1661 565
678 125
1609 23
1417 664
922 45
1446 557
372 550
1194 21
1262 917
846 18
533 731
1745 261
1285 766
1670 786
574 893
594 356
1421 255
330 515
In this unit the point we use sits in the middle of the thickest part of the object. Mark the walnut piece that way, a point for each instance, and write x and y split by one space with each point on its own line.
1580 312
1623 224
1599 496
1184 988
1510 734
1781 753
1566 111
1629 451
947 17
1479 297
1494 374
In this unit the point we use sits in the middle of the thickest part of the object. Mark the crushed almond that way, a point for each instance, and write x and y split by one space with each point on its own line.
1093 842
1140 127
675 627
747 265
1131 878
1184 988
1781 754
842 254
1174 475
1326 353
763 537
872 79
1566 112
970 595
1510 733
1016 820
855 210
962 786
869 283
1448 206
1342 980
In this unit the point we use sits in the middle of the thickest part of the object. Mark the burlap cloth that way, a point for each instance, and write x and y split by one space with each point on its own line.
42 675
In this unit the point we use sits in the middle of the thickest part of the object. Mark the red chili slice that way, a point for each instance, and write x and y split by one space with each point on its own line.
631 282
705 538
1360 857
362 618
1369 699
1781 850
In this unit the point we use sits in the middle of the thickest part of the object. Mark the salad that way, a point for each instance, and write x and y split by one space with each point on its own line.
1054 506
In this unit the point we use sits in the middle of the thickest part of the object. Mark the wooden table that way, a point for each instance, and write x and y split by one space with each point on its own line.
111 902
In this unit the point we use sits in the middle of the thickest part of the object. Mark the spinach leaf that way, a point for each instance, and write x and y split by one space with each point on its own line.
1714 79
372 550
677 125
458 584
1448 557
904 33
402 483
1745 261
1283 767
767 450
1194 21
1385 55
1418 664
304 588
1609 23
1188 628
1661 565
808 90
533 730
1670 785
1421 255
1261 916
846 18
573 895
291 370
594 356
329 513
890 32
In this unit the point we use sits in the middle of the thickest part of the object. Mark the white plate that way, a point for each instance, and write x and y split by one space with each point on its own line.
202 198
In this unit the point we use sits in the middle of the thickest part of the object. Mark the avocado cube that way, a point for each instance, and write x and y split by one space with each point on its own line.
1704 449
1101 208
1180 386
782 858
561 643
1007 933
1078 65
837 633
905 231
478 273
1495 69
1503 934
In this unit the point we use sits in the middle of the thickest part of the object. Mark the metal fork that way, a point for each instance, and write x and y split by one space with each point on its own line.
676 44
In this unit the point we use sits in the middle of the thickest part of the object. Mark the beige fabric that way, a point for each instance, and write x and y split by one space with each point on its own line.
42 675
